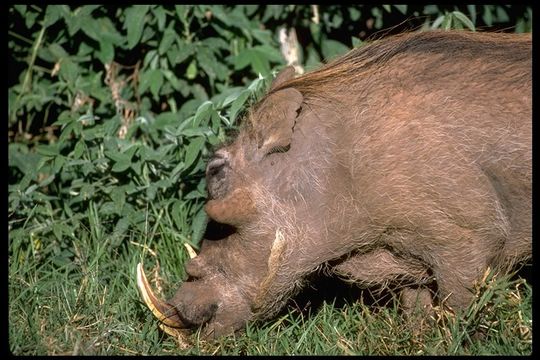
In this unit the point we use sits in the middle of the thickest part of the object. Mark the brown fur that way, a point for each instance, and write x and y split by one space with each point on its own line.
405 161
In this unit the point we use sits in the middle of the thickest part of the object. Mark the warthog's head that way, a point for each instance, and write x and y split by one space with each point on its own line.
225 279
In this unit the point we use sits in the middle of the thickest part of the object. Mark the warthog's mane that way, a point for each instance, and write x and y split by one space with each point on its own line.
450 44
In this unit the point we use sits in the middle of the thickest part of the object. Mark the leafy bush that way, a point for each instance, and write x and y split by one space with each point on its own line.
113 111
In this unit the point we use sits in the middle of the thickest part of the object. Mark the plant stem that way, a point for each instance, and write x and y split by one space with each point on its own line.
28 74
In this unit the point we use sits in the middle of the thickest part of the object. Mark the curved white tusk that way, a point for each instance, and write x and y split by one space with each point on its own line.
155 305
191 252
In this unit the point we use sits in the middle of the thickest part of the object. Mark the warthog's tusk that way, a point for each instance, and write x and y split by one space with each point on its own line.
159 308
170 330
192 254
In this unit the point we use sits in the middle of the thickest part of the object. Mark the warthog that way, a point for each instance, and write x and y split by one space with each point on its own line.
406 161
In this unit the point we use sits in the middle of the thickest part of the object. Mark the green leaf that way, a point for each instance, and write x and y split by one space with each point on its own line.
502 16
437 23
203 112
85 10
101 30
229 95
149 154
64 259
134 23
69 70
58 163
464 19
48 150
61 230
259 63
58 51
216 43
177 209
316 33
168 38
118 196
52 15
177 84
354 13
160 15
121 165
80 147
332 48
242 60
88 191
401 8
21 9
472 13
198 226
193 150
166 119
191 71
47 181
238 104
122 159
216 121
19 157
447 22
184 51
269 52
156 81
106 52
312 58
356 42
263 36
30 19
145 80
122 225
487 15
192 132
208 62
181 11
431 9
273 11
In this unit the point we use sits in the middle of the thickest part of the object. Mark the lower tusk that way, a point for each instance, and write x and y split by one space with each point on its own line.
175 332
192 254
158 307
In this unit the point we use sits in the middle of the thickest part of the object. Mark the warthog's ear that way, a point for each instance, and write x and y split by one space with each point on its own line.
276 118
284 75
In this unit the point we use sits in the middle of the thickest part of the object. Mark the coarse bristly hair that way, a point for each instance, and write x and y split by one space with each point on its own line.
346 70
436 48
405 161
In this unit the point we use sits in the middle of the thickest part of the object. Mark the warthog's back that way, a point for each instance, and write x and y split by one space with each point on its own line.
423 118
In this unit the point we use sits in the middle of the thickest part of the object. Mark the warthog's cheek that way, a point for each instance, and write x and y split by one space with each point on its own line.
196 302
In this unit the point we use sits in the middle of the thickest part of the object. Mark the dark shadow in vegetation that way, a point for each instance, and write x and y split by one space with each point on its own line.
329 289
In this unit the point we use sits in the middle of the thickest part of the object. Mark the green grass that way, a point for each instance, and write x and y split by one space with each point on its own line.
91 306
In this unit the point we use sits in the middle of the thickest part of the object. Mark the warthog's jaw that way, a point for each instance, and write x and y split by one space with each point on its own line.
163 311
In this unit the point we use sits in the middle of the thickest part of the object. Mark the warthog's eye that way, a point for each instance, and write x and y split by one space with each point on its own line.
215 166
217 175
279 149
